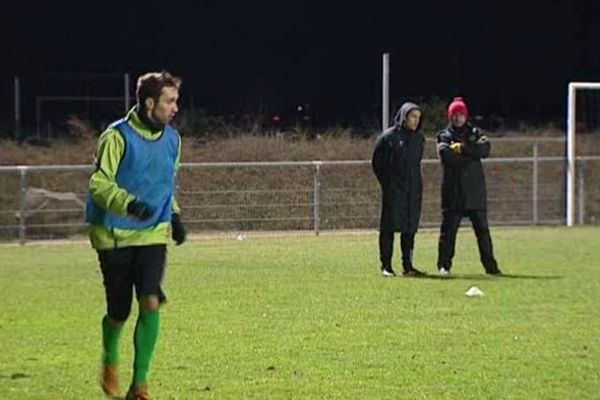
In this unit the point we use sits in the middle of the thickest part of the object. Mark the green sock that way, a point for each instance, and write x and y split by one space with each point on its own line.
144 340
110 342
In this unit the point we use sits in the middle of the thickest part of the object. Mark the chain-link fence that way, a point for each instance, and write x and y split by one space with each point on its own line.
47 202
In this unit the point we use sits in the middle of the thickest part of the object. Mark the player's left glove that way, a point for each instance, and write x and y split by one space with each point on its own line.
177 230
140 210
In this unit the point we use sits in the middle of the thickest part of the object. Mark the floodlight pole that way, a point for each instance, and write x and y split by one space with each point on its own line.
38 117
126 94
17 84
385 112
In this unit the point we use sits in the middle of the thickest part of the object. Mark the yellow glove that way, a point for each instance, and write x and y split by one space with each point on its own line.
456 147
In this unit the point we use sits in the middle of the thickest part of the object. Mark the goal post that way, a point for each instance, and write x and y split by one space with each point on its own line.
574 87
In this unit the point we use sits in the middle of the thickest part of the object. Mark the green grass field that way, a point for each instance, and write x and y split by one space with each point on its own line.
304 317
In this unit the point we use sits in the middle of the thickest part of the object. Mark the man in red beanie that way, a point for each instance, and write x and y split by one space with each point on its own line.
460 148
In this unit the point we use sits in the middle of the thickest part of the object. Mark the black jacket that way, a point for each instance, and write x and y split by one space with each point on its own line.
463 184
397 165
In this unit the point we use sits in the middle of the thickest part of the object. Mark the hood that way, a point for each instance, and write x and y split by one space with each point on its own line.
403 112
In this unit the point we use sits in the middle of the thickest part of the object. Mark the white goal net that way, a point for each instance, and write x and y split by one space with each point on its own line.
583 153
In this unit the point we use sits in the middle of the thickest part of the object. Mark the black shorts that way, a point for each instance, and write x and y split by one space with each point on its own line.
139 267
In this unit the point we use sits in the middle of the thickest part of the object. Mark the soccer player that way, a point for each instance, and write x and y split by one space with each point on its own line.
131 211
397 165
460 148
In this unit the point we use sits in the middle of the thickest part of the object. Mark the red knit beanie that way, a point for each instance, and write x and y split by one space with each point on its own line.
457 106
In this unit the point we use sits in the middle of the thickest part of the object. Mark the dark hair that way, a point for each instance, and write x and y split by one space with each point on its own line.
151 84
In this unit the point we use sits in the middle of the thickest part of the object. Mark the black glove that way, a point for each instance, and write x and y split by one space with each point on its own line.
140 210
177 229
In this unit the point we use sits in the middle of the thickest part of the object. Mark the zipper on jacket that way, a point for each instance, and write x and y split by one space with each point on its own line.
409 188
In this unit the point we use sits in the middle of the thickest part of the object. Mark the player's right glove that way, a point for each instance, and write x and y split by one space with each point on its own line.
177 229
456 147
140 210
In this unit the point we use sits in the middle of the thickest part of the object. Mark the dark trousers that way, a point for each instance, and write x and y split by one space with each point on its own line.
386 248
446 245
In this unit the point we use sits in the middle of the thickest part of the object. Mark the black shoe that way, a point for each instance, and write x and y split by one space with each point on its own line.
493 271
387 271
413 272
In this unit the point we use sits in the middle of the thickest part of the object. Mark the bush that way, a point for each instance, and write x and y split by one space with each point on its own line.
197 123
80 129
434 116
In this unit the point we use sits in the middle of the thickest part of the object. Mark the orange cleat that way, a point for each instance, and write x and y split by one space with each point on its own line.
138 393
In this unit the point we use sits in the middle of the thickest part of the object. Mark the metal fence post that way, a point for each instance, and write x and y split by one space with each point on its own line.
22 205
581 193
535 184
317 197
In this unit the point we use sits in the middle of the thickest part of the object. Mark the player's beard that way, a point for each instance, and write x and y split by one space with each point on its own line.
151 121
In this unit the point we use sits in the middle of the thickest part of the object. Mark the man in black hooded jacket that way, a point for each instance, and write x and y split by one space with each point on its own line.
397 164
460 148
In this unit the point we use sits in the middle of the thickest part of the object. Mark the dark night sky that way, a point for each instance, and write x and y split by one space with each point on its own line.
510 58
